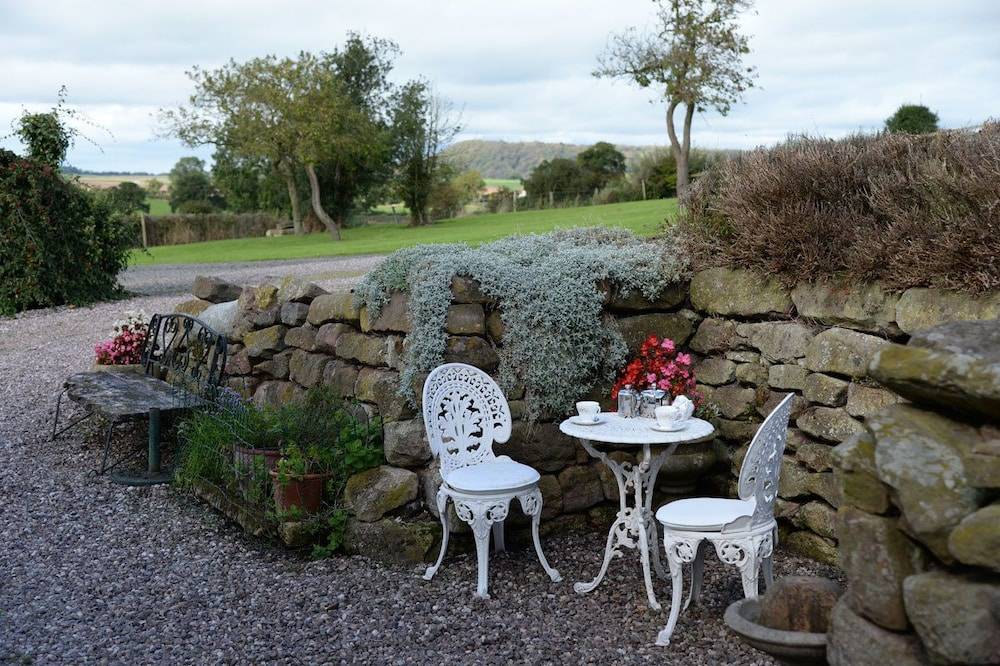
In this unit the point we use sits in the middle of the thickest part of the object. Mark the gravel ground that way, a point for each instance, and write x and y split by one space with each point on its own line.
94 572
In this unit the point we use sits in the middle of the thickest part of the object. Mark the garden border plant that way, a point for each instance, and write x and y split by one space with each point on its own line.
549 291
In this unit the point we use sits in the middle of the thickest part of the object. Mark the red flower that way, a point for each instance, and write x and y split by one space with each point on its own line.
659 364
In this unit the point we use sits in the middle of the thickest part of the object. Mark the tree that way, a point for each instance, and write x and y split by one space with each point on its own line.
694 60
554 180
154 188
422 125
601 163
127 198
912 119
248 184
190 182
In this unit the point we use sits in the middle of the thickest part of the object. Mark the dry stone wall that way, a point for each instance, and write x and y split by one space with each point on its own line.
753 340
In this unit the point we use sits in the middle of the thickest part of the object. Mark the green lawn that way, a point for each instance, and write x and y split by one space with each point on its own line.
510 183
642 217
158 206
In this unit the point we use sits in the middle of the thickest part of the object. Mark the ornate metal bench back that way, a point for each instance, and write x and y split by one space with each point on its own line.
185 352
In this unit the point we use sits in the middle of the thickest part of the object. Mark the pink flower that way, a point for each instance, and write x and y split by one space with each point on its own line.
684 359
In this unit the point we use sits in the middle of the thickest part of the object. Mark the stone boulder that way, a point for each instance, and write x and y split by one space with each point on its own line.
470 349
824 389
673 325
922 308
729 291
714 335
276 367
394 316
581 488
976 540
297 290
265 342
215 289
778 341
812 546
864 401
956 616
221 317
854 461
466 290
854 641
274 393
788 377
541 446
864 307
715 370
392 540
354 346
817 517
334 307
341 377
832 424
405 443
371 494
841 351
669 297
466 319
381 387
301 337
193 307
293 314
306 369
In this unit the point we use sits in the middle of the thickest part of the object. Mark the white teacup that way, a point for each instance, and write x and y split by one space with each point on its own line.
669 416
588 409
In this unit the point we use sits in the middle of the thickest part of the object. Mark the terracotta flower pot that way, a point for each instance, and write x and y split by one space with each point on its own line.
243 457
304 492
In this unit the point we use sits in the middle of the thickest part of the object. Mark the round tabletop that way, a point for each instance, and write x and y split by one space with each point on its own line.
615 429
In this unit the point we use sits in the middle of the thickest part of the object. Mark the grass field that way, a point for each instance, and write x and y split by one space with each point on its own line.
642 217
510 183
158 206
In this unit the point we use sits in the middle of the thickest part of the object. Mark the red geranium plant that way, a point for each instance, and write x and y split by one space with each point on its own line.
659 364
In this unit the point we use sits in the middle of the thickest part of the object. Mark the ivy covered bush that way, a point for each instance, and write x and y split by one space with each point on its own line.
549 290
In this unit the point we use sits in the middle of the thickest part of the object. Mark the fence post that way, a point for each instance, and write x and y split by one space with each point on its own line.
551 199
142 221
643 189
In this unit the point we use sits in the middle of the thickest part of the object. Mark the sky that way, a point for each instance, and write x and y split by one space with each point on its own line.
517 70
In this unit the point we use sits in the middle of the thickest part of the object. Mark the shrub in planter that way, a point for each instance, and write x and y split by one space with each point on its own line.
301 476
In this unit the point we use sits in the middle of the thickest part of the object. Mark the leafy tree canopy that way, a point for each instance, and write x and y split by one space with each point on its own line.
912 119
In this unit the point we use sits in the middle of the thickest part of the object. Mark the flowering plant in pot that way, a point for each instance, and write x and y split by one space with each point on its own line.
659 365
123 350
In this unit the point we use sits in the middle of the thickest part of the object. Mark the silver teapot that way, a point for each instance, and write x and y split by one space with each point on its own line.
649 400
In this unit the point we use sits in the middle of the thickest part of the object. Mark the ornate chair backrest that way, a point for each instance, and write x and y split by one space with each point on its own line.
186 353
762 467
465 412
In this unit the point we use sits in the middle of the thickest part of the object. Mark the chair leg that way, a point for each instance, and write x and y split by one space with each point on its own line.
481 515
498 544
55 421
678 552
697 569
442 505
768 559
531 504
483 562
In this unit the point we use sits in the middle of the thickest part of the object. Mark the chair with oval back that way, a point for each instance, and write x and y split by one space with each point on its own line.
465 413
743 530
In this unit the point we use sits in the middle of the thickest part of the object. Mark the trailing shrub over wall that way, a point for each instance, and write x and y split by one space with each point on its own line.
58 243
548 288
905 210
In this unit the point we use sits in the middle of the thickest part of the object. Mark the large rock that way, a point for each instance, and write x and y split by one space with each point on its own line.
919 454
306 369
854 641
956 616
391 540
466 290
293 314
382 388
405 443
841 351
728 291
334 307
865 307
824 389
297 290
341 377
921 308
754 374
864 401
328 334
394 316
365 349
581 488
193 307
265 342
301 337
221 317
857 474
877 558
982 465
551 496
734 401
371 494
673 325
541 446
789 377
956 366
778 341
714 335
669 297
472 350
817 517
832 424
276 367
215 289
466 319
794 480
815 455
812 546
715 371
976 540
274 393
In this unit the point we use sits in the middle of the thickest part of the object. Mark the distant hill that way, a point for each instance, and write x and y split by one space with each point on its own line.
516 159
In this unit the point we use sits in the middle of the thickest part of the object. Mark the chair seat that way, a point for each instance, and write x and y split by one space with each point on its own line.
703 514
495 475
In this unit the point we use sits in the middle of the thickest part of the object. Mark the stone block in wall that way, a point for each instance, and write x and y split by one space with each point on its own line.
840 351
855 471
787 377
954 366
955 616
494 326
394 316
265 342
215 289
745 356
391 540
778 341
825 390
669 297
275 367
681 471
767 401
472 350
854 641
405 443
541 446
341 377
714 336
812 546
337 307
301 337
466 319
734 401
795 480
920 455
921 308
795 438
245 386
365 349
267 317
238 362
728 291
466 290
381 388
877 557
818 517
581 488
863 401
735 431
982 464
394 347
673 325
306 369
193 307
815 455
371 494
294 314
715 370
327 335
755 374
832 424
864 307
976 540
552 496
296 290
274 393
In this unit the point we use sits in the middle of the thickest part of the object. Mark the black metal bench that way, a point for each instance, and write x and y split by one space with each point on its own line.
183 362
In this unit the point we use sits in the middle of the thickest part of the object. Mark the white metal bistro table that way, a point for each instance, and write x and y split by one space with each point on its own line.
635 526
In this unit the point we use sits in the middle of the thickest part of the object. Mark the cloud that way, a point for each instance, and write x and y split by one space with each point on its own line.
518 69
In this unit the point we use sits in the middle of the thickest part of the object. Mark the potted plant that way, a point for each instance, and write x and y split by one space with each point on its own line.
122 352
300 477
257 439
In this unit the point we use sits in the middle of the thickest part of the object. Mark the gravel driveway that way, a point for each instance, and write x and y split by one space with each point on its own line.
94 572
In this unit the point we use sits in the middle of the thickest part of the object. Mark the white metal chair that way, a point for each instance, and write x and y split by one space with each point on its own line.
742 530
465 412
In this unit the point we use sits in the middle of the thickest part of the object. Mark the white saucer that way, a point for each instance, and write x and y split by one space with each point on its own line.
674 428
579 420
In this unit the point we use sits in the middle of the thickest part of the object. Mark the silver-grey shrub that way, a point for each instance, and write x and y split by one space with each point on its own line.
556 341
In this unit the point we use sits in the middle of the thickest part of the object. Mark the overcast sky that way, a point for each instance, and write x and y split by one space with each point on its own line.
520 70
